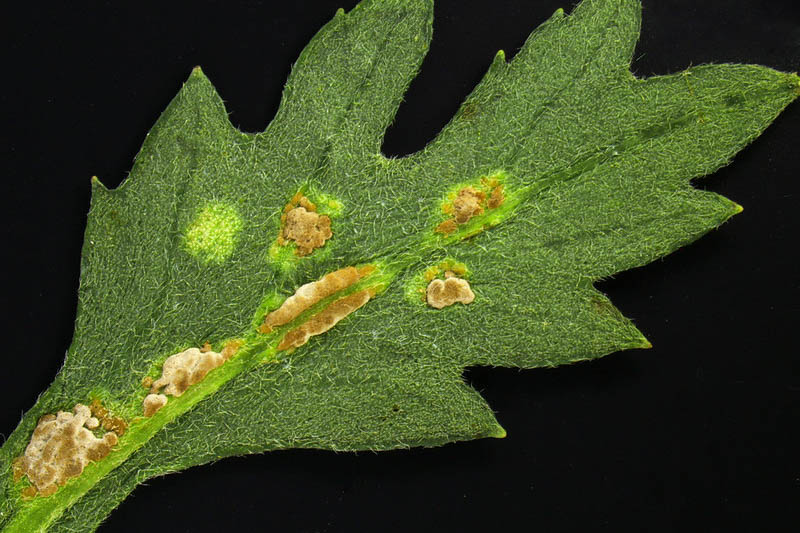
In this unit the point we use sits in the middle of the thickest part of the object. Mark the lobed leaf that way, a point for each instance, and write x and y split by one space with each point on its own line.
596 168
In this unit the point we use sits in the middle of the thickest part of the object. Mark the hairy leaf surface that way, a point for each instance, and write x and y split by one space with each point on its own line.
595 166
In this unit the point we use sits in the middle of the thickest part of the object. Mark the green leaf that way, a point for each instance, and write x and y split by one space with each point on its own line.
595 166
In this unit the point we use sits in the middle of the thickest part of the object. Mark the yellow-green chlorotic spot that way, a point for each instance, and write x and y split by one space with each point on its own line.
211 237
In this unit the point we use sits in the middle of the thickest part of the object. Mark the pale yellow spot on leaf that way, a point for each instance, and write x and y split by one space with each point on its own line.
211 237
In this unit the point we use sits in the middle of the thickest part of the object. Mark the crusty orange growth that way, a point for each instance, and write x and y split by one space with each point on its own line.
307 228
18 468
442 293
61 447
470 202
467 204
325 319
447 227
230 349
108 420
496 198
311 293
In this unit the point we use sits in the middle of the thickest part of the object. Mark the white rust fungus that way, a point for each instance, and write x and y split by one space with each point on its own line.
325 319
182 370
61 447
311 293
441 293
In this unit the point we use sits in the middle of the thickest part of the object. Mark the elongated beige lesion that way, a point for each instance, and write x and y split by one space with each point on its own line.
312 293
182 370
325 319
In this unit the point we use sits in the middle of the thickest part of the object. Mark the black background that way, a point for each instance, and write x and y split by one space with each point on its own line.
699 433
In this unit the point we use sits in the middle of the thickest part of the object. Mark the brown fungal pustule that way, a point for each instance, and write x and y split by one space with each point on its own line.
311 293
467 204
325 319
18 468
441 293
152 403
184 369
470 202
230 349
61 447
447 227
307 229
108 420
147 382
496 198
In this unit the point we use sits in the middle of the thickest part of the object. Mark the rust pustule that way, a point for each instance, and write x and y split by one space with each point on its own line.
60 448
325 319
152 403
445 292
311 293
182 370
469 202
301 223
107 419
496 198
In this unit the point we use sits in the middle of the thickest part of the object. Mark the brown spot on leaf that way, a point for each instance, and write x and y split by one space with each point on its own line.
108 420
230 349
467 204
301 223
442 293
60 448
325 319
447 227
18 468
497 197
307 229
184 369
311 293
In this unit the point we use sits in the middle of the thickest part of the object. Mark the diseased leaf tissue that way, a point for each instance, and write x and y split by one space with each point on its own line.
328 295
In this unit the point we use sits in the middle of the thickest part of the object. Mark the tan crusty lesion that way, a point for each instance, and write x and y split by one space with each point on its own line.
182 370
62 445
325 319
469 202
451 290
301 224
309 294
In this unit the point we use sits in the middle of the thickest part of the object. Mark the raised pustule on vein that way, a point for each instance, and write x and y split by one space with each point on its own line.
471 201
311 293
60 448
182 370
325 319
